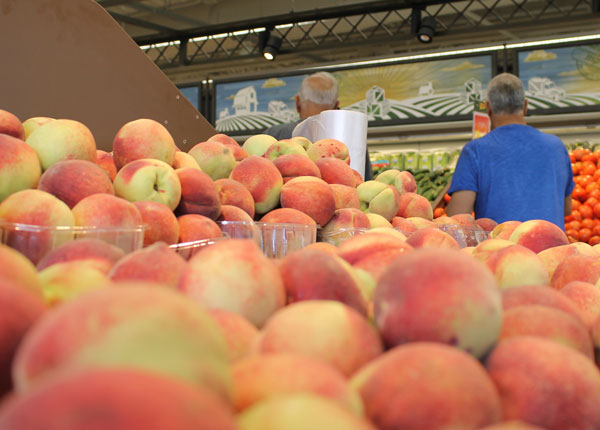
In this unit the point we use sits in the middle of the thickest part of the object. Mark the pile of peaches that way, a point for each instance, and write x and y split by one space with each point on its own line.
407 323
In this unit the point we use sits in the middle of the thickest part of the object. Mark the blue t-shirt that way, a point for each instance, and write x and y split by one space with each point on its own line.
518 173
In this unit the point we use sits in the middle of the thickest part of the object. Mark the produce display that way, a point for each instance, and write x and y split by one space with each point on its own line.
228 313
584 222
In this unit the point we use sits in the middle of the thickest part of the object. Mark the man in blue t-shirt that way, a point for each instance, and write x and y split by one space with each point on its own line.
515 172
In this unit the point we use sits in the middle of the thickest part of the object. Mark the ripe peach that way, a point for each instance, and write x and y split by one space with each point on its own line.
234 193
344 219
325 330
539 295
143 138
72 180
31 124
238 153
532 375
586 297
252 287
433 386
17 269
214 158
310 195
11 125
199 194
284 147
548 323
262 179
288 215
328 148
184 160
335 171
106 210
538 235
240 334
515 265
20 167
439 295
414 205
403 181
486 224
293 165
379 198
504 230
161 223
403 225
432 238
577 267
258 144
99 253
105 160
345 196
197 227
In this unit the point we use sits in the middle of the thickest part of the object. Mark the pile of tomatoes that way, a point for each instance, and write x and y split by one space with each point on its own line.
583 224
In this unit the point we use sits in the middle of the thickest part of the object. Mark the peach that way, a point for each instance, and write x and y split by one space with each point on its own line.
149 179
548 323
234 213
345 219
465 220
433 386
19 166
293 165
516 265
161 223
512 425
586 297
258 144
194 227
323 246
240 334
118 399
389 231
234 193
238 152
62 139
311 274
184 160
403 225
379 198
305 142
139 327
335 171
262 179
105 160
363 246
302 410
143 138
72 180
98 252
259 377
310 195
31 124
577 267
214 158
17 269
106 210
237 224
504 230
287 215
539 295
420 222
37 208
252 287
432 238
403 181
445 220
538 235
378 221
11 125
345 196
199 194
414 205
20 308
552 257
325 330
155 263
439 295
328 148
358 178
284 147
65 281
486 224
545 383
484 248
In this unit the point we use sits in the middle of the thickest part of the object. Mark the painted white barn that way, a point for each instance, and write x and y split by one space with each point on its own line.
245 101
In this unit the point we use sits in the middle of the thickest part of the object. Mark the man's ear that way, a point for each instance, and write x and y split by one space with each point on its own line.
298 104
488 109
525 107
337 104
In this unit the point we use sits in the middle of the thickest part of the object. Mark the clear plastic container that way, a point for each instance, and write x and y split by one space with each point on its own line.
337 237
465 235
35 241
279 239
241 230
188 249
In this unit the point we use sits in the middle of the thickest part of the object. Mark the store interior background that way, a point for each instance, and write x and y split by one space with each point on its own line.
198 43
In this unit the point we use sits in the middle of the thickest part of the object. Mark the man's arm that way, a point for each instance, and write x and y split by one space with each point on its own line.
568 205
462 202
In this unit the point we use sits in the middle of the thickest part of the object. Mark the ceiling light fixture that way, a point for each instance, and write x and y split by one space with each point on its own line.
272 47
426 30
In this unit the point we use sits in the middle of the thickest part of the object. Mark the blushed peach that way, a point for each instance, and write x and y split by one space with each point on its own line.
414 205
379 198
262 179
105 160
538 235
345 196
199 194
11 125
238 152
284 147
234 193
214 158
293 165
515 265
161 223
194 227
20 167
329 148
310 195
504 229
577 267
100 253
335 171
240 334
586 297
288 215
432 238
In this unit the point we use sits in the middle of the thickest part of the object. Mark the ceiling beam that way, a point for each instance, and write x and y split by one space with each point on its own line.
292 17
110 3
144 24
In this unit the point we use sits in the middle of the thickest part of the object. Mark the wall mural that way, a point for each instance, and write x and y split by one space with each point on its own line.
432 89
567 77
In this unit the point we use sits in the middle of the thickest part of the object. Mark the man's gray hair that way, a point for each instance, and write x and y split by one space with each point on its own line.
506 94
320 88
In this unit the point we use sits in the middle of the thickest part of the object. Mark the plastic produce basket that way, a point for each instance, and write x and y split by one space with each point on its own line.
465 235
188 249
337 237
35 241
279 239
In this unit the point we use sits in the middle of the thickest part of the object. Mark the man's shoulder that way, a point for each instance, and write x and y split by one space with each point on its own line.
282 131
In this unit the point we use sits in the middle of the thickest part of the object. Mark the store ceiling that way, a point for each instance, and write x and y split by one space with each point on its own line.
221 37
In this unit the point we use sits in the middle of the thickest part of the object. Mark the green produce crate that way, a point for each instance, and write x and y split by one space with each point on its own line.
441 160
411 160
397 161
425 160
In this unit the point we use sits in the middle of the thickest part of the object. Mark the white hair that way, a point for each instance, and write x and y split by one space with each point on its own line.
506 94
325 93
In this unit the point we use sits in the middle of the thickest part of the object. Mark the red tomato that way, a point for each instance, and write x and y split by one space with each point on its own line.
573 225
596 230
586 211
587 223
594 240
585 234
573 235
575 204
597 210
584 180
579 193
576 216
591 201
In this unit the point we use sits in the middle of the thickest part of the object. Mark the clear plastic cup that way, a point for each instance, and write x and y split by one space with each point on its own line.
279 239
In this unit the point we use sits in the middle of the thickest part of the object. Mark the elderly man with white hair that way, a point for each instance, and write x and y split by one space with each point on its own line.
515 172
317 93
